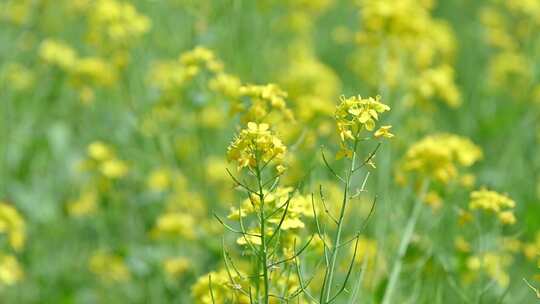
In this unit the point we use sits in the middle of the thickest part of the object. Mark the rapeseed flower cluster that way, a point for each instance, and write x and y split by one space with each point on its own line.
510 29
402 38
440 157
263 99
226 287
356 114
102 158
85 73
182 206
101 168
110 268
493 202
493 264
177 80
13 227
174 75
299 207
115 24
255 147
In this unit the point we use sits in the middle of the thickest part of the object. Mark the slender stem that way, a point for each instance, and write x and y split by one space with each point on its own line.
405 241
337 239
263 253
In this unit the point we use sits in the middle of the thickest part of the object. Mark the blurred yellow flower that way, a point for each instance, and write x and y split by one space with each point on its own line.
439 156
12 224
114 168
176 266
11 271
57 53
494 202
175 223
109 267
99 151
383 131
86 204
159 180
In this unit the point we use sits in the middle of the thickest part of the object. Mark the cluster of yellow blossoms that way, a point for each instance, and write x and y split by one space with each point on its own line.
13 226
175 223
182 206
356 114
309 81
175 78
511 29
402 41
103 166
229 286
17 76
115 23
176 266
493 264
111 27
256 146
225 288
104 159
172 75
85 72
491 201
264 98
298 207
109 267
438 157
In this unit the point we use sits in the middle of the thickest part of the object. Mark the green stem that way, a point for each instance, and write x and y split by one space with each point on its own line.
263 256
337 239
405 241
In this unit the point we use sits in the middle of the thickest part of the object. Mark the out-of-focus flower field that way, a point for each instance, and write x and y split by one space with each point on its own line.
269 151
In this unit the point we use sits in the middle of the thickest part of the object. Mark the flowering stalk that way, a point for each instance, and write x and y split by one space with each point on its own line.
404 244
354 115
254 149
329 282
263 254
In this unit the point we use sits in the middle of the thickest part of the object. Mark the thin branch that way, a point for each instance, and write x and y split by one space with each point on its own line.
319 232
274 180
280 221
293 256
363 226
369 158
536 291
236 286
371 211
232 229
349 271
303 286
325 207
211 290
237 182
291 194
330 168
244 232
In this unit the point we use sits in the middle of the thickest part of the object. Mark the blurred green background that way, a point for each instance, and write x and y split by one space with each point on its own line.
172 141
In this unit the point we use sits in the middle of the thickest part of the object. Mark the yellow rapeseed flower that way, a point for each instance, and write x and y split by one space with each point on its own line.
109 267
439 156
12 224
491 201
255 146
11 271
